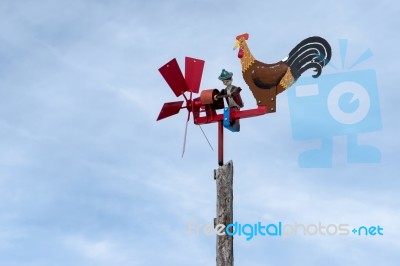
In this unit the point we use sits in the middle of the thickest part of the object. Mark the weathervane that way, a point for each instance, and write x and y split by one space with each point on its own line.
264 80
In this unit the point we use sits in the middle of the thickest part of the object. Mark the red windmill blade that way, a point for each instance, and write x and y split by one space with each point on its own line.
193 73
180 84
173 76
170 109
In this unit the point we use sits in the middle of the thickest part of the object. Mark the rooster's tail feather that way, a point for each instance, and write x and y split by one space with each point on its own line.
313 52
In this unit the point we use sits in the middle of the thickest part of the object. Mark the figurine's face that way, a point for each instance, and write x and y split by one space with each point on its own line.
227 82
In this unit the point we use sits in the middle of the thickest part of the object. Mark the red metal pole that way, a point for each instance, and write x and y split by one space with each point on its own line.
220 143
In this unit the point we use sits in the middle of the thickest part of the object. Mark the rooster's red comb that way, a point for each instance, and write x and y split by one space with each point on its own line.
243 36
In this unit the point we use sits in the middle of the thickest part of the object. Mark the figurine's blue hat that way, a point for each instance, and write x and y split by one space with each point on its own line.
225 75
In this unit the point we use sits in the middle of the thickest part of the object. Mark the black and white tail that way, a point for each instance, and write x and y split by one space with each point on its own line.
313 52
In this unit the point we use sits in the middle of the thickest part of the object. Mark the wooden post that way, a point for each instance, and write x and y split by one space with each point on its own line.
224 178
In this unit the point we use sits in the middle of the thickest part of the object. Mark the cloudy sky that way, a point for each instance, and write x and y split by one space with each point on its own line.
88 177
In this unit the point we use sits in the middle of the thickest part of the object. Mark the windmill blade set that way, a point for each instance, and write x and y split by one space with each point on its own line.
180 84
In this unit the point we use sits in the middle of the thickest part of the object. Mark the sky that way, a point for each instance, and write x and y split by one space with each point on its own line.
88 177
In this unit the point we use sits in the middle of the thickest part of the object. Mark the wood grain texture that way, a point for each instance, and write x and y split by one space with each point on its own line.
224 178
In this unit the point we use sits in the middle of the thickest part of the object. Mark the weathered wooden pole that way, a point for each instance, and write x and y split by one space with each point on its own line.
224 178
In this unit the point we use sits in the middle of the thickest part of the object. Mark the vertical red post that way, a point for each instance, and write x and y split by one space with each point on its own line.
220 143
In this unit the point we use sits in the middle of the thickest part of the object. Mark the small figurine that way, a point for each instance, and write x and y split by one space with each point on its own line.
232 94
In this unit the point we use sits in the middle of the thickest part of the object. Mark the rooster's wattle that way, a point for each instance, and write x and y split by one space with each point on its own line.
267 80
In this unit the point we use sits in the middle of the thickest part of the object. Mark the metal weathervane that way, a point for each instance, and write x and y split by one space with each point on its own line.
265 81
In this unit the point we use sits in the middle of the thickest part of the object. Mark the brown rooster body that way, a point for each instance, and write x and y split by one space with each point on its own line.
267 80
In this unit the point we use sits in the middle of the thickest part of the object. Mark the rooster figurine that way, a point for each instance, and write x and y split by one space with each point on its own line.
267 80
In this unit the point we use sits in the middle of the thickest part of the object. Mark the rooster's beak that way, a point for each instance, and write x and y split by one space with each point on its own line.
237 44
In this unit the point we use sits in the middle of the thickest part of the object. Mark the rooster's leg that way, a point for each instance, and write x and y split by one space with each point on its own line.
266 97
